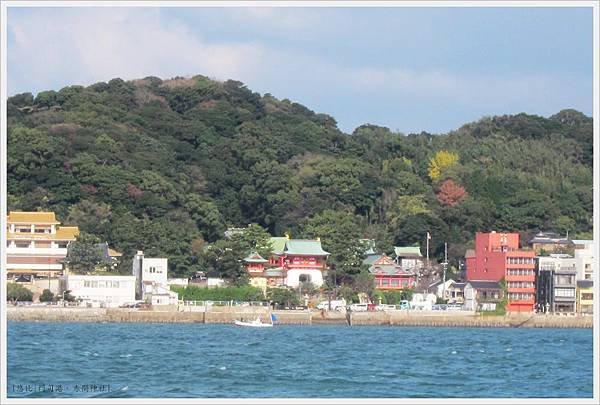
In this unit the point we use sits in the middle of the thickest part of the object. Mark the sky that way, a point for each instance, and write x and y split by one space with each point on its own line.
408 69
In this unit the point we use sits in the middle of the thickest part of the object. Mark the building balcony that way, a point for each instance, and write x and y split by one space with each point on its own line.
317 266
530 278
521 290
392 287
17 251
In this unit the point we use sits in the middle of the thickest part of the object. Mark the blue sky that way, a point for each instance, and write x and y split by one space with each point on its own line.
410 69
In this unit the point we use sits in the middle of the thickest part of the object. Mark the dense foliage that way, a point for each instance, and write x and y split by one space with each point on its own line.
16 292
167 166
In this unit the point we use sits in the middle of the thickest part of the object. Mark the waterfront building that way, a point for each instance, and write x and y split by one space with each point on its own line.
305 261
389 275
482 295
159 294
585 258
409 257
255 266
585 296
549 242
99 290
36 244
555 283
150 276
497 256
451 291
292 261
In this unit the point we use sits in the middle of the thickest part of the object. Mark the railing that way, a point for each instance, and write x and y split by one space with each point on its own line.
208 303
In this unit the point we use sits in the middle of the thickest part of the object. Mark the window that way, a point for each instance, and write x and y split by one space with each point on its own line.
385 281
62 245
563 279
395 281
21 244
304 278
564 292
587 296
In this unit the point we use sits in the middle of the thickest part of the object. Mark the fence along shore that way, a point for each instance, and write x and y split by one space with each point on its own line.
226 315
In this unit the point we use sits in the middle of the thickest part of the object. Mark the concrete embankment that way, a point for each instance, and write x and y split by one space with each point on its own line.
229 314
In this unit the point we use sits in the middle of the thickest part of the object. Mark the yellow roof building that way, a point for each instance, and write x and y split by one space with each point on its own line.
27 218
36 244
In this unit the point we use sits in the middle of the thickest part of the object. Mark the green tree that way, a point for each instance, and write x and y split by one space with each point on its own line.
255 238
84 256
339 234
47 296
283 297
16 292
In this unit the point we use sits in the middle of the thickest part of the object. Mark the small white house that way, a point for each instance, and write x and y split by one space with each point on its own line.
99 290
158 295
215 282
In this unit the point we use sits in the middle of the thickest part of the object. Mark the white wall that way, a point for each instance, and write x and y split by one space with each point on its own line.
316 277
585 257
154 269
177 281
110 290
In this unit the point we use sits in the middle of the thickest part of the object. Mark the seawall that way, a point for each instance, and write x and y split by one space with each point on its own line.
229 314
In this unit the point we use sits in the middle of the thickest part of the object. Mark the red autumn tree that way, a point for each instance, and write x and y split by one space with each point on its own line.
451 193
134 191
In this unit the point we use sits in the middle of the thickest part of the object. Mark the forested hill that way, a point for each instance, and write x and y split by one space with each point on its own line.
166 166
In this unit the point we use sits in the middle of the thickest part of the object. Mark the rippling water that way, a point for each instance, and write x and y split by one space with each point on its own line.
196 360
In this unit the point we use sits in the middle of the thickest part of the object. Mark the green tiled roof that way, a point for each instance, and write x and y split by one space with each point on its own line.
389 270
255 258
304 247
408 251
278 243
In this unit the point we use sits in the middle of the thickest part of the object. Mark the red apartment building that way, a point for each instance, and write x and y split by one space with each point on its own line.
497 255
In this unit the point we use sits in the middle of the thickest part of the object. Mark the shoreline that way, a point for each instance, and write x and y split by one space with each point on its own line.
227 315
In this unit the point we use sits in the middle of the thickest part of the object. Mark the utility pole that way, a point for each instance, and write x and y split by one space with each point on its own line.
444 266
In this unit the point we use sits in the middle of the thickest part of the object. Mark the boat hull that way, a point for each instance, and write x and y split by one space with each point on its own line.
253 324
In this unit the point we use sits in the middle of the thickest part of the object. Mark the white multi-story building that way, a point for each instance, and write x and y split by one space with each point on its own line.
151 280
36 244
99 290
585 259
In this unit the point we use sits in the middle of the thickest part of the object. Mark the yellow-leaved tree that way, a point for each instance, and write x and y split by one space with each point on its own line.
440 163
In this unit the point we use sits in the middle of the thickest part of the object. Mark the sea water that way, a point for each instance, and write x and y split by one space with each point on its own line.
197 360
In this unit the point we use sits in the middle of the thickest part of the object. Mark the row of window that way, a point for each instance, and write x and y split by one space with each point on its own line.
154 270
520 272
520 260
564 279
520 296
489 294
564 292
520 284
393 282
101 284
44 244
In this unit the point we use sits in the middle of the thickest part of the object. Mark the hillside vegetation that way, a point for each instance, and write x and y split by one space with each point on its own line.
167 165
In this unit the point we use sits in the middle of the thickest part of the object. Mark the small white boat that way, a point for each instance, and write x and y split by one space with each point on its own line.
257 323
